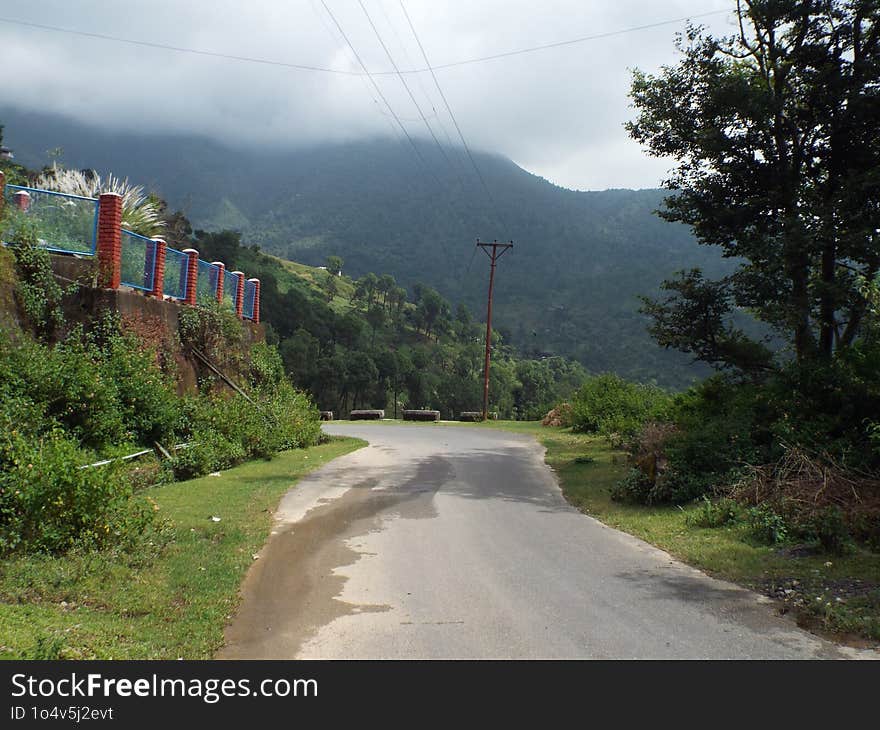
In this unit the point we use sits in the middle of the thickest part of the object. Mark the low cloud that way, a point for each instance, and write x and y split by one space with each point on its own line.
558 112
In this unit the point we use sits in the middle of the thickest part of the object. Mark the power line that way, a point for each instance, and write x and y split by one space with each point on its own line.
471 261
434 114
405 85
464 143
560 44
343 72
387 104
335 39
386 117
376 87
179 49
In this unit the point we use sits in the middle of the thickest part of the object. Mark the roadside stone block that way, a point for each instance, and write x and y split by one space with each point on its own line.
420 415
367 415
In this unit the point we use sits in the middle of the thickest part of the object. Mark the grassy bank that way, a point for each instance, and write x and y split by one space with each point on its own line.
171 596
835 594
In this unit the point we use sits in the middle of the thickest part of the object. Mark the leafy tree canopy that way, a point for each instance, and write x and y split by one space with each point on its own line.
774 132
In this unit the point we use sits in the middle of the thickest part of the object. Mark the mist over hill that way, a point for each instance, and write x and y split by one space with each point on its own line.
569 287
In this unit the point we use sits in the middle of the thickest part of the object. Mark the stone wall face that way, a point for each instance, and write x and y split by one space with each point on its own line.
154 320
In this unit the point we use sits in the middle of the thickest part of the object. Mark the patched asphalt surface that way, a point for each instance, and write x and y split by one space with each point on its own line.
442 542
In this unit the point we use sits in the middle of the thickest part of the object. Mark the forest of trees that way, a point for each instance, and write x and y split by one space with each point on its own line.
570 288
777 166
368 343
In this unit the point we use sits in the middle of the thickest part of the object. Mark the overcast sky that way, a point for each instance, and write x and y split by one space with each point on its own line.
558 113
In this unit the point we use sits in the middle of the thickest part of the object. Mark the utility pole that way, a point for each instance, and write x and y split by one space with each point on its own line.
497 251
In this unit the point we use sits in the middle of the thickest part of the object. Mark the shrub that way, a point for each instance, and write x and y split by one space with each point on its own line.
37 291
147 402
716 513
227 429
267 367
766 526
830 529
608 404
208 451
65 383
635 487
104 388
717 430
47 502
213 330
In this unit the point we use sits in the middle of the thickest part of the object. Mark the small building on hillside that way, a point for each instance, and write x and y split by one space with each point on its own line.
5 153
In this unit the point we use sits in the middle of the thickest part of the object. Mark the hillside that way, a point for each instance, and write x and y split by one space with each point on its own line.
570 286
362 343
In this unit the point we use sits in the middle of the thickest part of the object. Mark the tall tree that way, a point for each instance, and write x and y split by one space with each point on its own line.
331 288
386 285
778 163
334 265
431 309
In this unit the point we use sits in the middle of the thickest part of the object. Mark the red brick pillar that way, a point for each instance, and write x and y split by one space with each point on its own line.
221 275
239 293
109 243
22 200
159 268
256 283
192 275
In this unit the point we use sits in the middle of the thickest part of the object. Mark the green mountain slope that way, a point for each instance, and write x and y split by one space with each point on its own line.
570 286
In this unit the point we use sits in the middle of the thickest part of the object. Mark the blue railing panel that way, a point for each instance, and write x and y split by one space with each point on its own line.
206 283
69 224
138 260
61 222
230 287
250 297
174 281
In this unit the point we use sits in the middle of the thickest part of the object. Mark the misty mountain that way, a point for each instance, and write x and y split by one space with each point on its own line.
570 286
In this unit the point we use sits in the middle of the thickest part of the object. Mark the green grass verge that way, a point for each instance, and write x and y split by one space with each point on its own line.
835 594
158 602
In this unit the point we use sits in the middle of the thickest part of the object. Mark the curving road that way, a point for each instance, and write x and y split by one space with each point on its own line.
441 542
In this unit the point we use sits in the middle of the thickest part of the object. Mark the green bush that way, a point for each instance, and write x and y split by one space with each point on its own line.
37 291
103 388
828 406
267 367
66 384
208 451
47 503
227 429
634 488
717 513
829 527
214 331
719 427
766 526
608 404
146 397
722 426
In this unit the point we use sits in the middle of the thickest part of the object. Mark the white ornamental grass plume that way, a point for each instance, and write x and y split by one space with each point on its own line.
139 213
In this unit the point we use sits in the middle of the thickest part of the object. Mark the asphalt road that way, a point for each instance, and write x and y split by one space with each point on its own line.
442 542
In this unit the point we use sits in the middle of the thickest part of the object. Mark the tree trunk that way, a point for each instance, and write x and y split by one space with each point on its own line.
827 308
804 342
